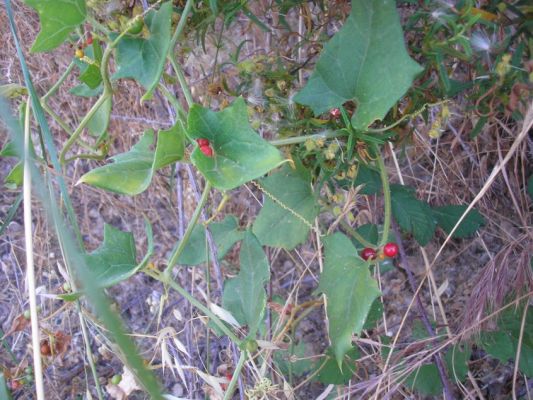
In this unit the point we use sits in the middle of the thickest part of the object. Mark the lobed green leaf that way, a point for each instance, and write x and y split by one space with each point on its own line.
365 61
447 217
143 59
413 215
240 154
132 172
350 291
277 225
58 19
244 296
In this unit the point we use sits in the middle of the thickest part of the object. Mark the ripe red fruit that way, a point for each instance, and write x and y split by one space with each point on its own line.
368 254
15 385
45 348
89 39
202 142
207 150
390 250
335 113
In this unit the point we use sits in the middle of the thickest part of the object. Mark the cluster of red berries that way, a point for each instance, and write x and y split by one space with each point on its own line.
389 250
205 147
79 51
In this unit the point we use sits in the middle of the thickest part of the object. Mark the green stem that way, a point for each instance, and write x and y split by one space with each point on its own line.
108 92
181 25
64 125
72 139
302 139
181 79
418 112
180 112
357 236
95 24
161 277
172 57
235 378
386 197
59 82
186 236
86 157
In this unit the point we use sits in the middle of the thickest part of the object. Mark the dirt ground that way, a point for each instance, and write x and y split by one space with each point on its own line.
451 169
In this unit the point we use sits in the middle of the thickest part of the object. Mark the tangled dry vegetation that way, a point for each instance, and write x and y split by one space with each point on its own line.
460 280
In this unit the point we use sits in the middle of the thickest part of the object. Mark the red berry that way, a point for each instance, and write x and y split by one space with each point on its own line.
45 348
15 385
368 254
335 113
89 39
390 249
202 142
207 150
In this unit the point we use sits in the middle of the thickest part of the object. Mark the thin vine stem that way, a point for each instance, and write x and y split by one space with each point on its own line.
302 139
172 57
108 92
180 112
77 132
386 197
235 378
356 235
187 235
181 79
56 85
181 25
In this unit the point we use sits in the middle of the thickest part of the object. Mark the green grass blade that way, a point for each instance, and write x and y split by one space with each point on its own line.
45 129
76 261
11 213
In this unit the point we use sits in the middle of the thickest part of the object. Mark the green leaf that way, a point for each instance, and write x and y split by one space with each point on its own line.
9 150
4 391
413 215
245 296
58 18
350 291
99 122
293 361
91 76
447 217
530 187
374 315
12 90
225 234
131 172
143 59
365 61
115 260
457 362
503 343
369 178
426 380
82 90
240 155
279 223
15 177
331 373
369 232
